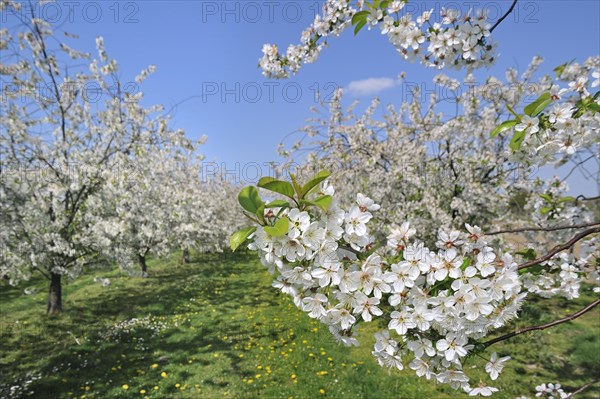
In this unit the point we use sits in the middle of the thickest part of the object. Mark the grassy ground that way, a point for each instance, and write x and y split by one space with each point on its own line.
216 329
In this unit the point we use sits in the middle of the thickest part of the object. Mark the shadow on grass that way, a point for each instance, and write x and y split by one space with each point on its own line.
182 300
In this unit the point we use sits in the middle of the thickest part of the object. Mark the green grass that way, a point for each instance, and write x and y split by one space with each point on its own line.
216 329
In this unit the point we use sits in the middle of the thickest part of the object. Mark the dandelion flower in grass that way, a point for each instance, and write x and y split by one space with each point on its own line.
164 374
322 391
154 366
125 386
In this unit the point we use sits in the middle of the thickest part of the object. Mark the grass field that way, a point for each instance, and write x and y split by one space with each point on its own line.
216 329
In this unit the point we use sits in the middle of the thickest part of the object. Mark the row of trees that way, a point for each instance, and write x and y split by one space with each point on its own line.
89 175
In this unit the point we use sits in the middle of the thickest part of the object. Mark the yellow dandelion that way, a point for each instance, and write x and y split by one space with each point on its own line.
154 366
322 391
125 386
142 391
164 374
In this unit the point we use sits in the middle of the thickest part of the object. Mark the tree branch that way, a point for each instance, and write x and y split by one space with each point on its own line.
560 248
520 230
584 198
544 326
583 388
504 16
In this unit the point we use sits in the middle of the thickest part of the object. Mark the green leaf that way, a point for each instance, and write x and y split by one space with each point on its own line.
559 69
297 186
322 202
359 26
503 126
279 229
278 204
466 263
538 105
528 254
544 210
278 186
249 199
360 16
240 236
517 140
546 197
260 213
541 107
594 107
315 181
566 199
512 111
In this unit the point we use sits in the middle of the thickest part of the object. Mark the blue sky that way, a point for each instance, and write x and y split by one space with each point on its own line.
206 53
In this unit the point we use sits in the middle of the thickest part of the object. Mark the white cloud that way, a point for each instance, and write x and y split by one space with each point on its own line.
369 86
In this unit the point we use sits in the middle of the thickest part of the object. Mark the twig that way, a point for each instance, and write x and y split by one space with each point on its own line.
544 326
583 388
560 248
504 16
584 198
579 226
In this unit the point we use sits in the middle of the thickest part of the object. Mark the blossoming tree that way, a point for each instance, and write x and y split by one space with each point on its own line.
443 290
87 172
160 203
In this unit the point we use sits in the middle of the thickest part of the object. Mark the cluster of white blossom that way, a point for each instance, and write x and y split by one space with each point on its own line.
563 273
336 17
438 304
455 40
549 391
410 167
566 124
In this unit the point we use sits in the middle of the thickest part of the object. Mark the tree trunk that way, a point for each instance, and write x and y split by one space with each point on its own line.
186 256
55 295
142 260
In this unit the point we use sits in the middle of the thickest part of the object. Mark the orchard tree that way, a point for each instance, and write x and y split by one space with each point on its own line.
137 206
447 290
161 202
67 123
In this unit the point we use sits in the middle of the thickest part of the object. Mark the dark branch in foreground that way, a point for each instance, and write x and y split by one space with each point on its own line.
544 326
520 230
560 248
583 388
584 198
504 16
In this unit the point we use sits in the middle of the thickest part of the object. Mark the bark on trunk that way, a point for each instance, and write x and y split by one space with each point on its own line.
55 295
142 260
186 256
